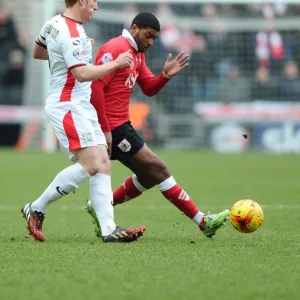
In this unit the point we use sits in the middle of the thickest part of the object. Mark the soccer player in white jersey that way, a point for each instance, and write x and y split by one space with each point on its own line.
65 44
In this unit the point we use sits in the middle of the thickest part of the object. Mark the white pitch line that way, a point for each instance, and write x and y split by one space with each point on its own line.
9 207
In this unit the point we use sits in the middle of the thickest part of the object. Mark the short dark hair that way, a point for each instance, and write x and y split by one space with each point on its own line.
70 3
146 20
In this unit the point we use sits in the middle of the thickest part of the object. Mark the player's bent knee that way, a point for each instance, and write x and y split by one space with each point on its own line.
105 166
163 171
100 164
93 159
93 167
159 171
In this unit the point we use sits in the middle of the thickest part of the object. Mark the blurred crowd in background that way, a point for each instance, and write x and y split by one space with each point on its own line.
225 66
13 49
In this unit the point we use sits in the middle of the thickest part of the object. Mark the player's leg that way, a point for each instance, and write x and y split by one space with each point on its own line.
101 198
61 118
101 195
150 170
100 186
125 144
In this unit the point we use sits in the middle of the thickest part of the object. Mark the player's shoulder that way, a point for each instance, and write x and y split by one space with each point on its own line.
116 45
56 20
56 24
111 50
67 27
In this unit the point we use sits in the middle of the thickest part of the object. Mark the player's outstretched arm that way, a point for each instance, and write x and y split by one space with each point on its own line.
91 73
173 67
40 52
151 85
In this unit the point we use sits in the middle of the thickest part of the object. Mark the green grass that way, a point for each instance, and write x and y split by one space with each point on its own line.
173 260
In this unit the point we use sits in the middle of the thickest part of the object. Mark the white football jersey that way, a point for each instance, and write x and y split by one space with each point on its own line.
68 47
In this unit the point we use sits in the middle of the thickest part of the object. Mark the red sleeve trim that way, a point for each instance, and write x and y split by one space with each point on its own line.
40 44
75 66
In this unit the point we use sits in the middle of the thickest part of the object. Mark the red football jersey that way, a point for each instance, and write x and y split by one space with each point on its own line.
118 84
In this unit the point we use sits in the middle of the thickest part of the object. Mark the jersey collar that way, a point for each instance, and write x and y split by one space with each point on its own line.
130 39
71 19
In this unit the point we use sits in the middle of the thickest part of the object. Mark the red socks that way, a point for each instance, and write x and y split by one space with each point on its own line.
178 197
130 189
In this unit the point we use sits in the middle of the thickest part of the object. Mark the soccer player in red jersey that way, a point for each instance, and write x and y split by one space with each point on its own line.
111 97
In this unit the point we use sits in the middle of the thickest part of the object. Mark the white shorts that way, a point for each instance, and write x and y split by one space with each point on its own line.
75 124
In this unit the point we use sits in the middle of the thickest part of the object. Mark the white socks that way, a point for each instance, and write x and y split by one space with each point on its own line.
68 180
65 182
137 184
198 218
101 196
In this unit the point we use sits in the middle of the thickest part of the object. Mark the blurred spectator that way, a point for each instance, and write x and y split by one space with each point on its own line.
293 10
222 46
13 46
270 46
7 36
209 11
273 10
270 49
7 27
13 79
234 88
130 11
290 82
263 86
175 38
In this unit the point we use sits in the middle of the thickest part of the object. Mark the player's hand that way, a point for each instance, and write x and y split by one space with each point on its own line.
92 41
108 138
124 59
173 67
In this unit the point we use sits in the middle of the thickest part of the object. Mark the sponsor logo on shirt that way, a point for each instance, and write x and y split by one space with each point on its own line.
77 53
106 58
125 146
76 42
131 79
52 31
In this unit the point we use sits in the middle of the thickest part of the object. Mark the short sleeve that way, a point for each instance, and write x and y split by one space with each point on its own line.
72 50
41 40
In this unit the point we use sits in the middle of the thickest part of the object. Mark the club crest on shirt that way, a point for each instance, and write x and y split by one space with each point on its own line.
106 58
125 146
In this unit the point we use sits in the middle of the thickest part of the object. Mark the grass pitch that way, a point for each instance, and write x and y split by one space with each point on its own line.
173 260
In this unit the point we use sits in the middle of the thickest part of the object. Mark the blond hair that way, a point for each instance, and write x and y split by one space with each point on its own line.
70 3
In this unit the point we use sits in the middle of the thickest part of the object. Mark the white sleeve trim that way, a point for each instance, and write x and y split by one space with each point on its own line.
137 184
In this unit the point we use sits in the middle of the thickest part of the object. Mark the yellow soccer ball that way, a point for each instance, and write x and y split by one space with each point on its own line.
246 216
